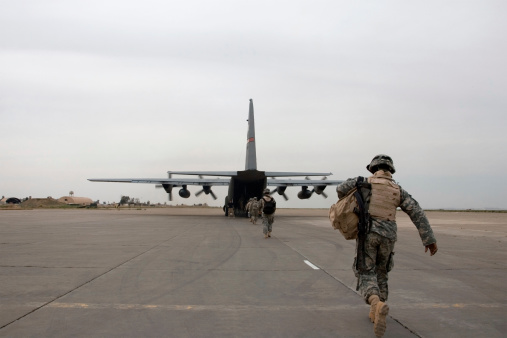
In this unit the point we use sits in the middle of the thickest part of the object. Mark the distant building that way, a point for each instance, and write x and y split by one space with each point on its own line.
75 200
13 200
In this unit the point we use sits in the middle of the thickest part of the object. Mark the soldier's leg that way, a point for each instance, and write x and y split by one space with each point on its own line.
384 265
265 225
368 285
271 219
379 309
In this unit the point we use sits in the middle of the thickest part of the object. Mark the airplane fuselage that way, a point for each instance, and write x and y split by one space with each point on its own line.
247 184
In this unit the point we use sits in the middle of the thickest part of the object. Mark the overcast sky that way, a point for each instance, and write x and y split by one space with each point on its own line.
132 89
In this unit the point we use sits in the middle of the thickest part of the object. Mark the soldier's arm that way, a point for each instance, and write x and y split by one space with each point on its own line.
410 206
345 187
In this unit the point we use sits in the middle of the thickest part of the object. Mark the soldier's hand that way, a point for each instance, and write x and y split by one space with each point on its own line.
433 248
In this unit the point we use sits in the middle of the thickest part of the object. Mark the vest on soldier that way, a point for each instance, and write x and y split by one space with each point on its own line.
269 205
254 205
385 196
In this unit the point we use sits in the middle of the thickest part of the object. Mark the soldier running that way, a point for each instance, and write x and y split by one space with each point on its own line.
384 198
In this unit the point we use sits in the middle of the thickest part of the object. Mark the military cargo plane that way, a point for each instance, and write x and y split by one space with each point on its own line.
243 185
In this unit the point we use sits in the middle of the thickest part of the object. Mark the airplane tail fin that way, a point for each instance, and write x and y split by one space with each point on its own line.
251 157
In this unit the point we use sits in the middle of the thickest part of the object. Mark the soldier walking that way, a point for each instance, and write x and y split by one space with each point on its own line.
374 257
268 208
247 208
254 210
231 208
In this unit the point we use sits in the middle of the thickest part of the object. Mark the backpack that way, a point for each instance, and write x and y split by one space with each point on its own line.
269 206
344 213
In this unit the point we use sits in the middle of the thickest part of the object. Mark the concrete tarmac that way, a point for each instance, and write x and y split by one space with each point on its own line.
195 273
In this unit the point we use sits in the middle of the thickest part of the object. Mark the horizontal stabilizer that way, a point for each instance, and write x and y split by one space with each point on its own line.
288 174
205 173
289 182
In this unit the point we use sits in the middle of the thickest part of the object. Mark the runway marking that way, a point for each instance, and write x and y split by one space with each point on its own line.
314 267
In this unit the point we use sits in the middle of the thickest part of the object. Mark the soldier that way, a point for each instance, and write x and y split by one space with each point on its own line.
231 208
377 248
254 210
267 207
247 208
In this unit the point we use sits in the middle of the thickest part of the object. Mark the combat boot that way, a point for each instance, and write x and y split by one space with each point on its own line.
269 234
373 300
381 313
265 235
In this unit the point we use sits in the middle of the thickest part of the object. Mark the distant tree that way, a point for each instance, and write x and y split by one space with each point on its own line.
71 193
124 200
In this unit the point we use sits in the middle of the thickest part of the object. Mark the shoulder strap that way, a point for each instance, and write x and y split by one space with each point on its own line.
361 212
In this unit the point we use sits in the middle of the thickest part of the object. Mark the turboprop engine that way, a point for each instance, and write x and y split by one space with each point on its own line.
184 192
206 189
319 190
168 189
305 193
281 191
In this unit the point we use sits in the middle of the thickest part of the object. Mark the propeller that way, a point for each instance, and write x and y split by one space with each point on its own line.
167 187
281 191
319 189
207 190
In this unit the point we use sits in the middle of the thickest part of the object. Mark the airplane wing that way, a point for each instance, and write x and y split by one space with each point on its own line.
175 182
205 173
305 193
289 174
290 183
169 183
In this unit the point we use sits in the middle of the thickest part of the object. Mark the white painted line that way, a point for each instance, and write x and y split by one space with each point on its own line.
311 265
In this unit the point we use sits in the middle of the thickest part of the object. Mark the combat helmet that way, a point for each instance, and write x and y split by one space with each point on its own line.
383 160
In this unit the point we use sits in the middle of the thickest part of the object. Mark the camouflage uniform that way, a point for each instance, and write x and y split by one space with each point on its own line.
231 209
247 207
379 243
267 219
254 210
